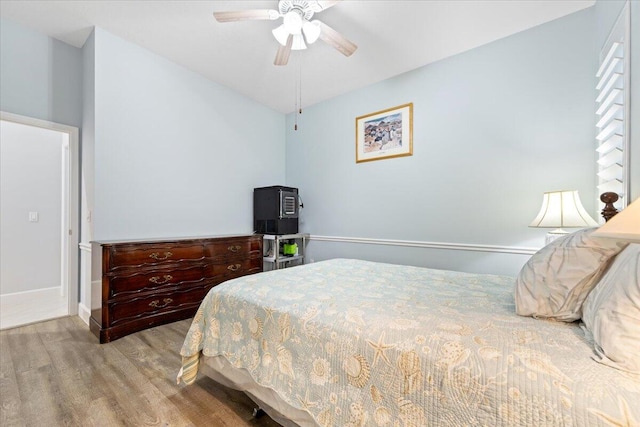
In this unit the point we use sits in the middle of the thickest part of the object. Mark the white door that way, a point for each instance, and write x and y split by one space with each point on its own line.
38 204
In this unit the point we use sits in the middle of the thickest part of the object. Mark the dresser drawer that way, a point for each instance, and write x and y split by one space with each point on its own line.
159 303
123 285
127 256
150 283
237 268
235 249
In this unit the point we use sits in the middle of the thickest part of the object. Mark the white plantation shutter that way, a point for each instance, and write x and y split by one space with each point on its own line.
612 111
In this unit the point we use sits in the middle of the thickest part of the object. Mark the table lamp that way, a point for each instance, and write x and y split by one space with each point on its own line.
562 209
623 226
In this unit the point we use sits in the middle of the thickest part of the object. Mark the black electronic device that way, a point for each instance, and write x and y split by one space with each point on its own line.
275 210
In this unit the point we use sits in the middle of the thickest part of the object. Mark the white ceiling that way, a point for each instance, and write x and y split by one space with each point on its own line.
392 37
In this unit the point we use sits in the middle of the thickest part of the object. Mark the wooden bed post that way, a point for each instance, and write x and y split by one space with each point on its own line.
609 210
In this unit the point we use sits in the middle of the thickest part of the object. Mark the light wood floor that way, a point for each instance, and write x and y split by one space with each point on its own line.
55 373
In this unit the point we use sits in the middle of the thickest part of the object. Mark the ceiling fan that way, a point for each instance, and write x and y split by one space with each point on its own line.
297 27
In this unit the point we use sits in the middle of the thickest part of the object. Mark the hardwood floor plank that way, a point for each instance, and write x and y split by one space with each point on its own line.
54 331
159 366
156 352
166 412
79 389
10 406
42 401
27 349
57 374
66 354
105 412
80 332
126 383
196 404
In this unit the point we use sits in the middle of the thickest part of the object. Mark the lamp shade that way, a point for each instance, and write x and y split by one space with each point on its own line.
562 209
624 226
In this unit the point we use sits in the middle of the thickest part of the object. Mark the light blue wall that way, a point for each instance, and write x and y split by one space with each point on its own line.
40 77
175 154
87 187
606 13
494 128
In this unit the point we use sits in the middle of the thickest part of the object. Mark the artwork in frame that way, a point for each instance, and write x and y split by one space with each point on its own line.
385 134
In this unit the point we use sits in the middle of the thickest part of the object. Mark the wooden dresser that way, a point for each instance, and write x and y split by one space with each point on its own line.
149 283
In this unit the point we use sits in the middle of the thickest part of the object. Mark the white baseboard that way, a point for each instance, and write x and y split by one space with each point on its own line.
32 291
84 313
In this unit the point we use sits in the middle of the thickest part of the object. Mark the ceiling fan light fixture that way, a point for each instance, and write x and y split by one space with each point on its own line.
297 30
298 42
311 31
293 22
281 34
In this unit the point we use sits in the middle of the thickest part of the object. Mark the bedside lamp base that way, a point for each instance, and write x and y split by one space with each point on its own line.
553 235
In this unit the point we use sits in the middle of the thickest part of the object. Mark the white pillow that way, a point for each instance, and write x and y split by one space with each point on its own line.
556 280
612 312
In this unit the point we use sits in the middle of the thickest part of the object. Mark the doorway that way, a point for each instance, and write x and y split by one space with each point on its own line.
38 221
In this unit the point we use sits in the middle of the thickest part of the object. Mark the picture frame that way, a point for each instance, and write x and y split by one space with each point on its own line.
385 134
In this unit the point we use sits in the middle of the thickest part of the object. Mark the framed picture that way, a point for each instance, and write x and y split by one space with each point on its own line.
385 134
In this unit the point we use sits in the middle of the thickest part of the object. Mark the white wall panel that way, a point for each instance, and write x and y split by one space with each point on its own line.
30 181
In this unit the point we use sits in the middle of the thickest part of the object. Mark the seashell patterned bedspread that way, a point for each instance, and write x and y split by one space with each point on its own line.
358 343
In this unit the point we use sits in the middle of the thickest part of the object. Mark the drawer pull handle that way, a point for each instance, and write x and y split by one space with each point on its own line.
157 257
156 303
234 248
234 267
158 280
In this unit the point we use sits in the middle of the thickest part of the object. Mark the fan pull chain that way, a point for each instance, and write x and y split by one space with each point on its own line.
295 99
298 101
295 127
300 87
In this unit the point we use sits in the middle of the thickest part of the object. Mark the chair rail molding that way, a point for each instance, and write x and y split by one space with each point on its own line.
431 245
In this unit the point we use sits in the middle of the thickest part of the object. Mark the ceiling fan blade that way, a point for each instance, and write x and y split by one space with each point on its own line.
247 15
335 39
319 6
282 56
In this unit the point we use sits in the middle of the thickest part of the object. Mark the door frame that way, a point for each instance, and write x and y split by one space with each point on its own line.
70 221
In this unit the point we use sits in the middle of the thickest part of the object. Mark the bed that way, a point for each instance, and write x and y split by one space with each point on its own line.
348 342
